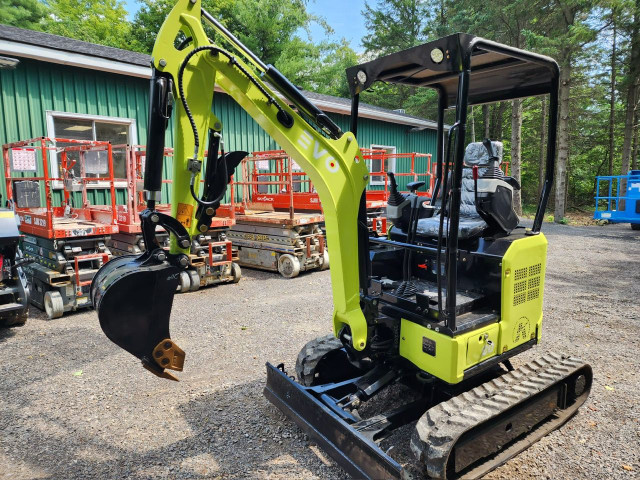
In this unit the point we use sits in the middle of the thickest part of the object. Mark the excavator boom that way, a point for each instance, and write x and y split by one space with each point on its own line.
186 68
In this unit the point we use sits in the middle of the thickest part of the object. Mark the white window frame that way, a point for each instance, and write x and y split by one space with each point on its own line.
391 164
54 168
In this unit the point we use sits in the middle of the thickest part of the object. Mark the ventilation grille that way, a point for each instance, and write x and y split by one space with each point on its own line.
527 284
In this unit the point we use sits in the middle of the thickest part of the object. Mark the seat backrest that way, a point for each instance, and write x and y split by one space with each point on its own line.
475 155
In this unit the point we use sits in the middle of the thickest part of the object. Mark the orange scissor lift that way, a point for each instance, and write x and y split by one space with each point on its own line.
295 191
278 220
212 258
67 242
378 197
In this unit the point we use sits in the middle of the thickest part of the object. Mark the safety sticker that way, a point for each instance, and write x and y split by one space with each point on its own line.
185 214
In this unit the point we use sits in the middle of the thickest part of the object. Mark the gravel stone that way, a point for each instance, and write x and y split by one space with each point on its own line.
115 420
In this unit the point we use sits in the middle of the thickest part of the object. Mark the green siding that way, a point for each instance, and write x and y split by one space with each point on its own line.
34 87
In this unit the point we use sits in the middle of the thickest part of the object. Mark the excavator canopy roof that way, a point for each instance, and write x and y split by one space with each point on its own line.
498 72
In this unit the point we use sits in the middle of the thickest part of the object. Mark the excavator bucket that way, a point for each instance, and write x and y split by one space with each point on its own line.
133 296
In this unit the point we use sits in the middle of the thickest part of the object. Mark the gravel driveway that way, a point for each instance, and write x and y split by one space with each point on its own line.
74 406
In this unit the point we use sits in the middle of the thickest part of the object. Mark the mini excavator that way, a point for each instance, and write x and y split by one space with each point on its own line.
439 307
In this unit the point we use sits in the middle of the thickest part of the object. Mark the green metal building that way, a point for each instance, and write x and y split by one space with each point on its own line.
66 88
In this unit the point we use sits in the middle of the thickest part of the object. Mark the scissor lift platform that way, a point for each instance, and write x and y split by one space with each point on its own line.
212 258
68 242
621 200
282 240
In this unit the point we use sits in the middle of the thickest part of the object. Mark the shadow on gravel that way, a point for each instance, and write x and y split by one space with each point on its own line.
7 332
235 433
58 351
256 274
250 438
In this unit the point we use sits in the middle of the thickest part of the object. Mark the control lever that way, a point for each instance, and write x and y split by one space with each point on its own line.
494 170
513 182
407 287
413 186
489 146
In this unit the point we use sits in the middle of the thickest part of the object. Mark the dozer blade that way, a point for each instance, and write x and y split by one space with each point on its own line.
357 454
133 296
464 437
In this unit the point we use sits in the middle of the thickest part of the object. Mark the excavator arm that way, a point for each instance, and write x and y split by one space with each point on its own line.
133 295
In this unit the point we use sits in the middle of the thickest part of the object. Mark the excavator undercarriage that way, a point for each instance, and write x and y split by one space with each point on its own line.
439 307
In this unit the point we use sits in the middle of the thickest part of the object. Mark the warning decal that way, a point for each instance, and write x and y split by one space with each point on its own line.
184 214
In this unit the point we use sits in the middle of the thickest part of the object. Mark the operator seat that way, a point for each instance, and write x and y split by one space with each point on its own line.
471 223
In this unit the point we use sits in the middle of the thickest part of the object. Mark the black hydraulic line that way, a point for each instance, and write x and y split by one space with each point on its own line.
355 104
551 156
282 115
302 103
233 39
442 105
444 208
454 214
280 82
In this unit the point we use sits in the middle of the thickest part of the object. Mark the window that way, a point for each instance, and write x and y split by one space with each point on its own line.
75 126
379 165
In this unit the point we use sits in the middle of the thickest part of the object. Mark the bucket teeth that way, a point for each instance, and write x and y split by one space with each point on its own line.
169 355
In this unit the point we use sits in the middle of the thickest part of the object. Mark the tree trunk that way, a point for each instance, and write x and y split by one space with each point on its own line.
516 150
634 150
612 97
487 120
543 144
498 120
630 130
632 93
473 126
563 138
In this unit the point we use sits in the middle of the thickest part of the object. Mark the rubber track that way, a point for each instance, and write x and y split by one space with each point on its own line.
439 429
311 354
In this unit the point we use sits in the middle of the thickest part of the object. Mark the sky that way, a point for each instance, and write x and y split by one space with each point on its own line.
344 16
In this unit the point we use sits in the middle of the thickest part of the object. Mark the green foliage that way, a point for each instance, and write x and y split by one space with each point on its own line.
317 67
147 23
96 21
28 14
577 33
394 25
270 28
266 26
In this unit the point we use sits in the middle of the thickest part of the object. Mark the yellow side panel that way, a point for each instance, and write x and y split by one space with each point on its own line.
482 344
523 270
445 357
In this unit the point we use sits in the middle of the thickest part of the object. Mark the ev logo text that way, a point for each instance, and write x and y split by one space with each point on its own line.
306 141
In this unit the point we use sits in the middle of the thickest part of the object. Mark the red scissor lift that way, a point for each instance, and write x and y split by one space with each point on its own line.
377 218
68 242
272 232
295 190
212 258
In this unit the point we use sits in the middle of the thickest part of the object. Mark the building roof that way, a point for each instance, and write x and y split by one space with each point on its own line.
67 51
64 44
